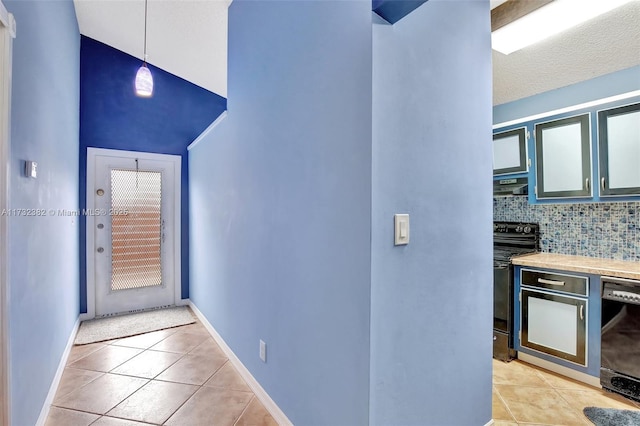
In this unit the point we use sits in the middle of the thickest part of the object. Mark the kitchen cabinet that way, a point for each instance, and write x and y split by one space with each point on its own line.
510 152
619 150
563 158
557 319
554 310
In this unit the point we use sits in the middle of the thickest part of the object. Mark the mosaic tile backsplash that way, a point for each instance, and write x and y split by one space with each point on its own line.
605 230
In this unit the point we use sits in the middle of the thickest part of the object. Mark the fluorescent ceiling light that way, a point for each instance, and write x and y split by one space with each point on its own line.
548 20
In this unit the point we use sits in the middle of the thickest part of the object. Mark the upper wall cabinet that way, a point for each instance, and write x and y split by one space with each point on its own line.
619 150
510 152
563 158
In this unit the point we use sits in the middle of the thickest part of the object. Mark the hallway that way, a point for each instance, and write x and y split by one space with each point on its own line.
177 376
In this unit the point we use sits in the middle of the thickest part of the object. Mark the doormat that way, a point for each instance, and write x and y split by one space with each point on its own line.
612 416
117 327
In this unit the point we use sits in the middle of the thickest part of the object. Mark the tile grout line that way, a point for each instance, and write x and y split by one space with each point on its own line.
504 403
235 422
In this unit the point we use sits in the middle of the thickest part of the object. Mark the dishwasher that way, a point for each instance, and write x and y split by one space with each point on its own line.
620 341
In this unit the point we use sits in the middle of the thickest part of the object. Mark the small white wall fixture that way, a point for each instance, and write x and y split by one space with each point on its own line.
7 33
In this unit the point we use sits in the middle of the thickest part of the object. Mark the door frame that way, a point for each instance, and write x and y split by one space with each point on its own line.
7 34
92 153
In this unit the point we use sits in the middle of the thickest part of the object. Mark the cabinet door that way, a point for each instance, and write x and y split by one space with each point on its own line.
563 157
510 152
619 143
554 324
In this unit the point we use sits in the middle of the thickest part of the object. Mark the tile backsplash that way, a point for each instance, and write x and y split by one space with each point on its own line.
605 230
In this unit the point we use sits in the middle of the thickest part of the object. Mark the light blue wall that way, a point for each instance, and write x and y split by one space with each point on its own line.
43 251
431 301
281 203
615 83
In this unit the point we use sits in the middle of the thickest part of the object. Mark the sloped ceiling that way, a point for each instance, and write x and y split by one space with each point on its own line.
603 45
187 38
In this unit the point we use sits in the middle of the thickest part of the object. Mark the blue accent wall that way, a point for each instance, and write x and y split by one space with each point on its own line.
432 300
113 117
281 205
43 250
394 10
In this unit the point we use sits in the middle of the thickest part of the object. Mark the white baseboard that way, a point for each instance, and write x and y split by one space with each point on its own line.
56 380
490 422
273 409
560 369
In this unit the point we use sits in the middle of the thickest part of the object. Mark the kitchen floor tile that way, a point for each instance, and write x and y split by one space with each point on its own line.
112 421
211 406
63 417
228 378
80 351
559 382
208 347
155 402
499 410
195 328
180 342
539 405
102 394
255 415
106 358
595 398
145 341
516 373
148 364
192 369
75 378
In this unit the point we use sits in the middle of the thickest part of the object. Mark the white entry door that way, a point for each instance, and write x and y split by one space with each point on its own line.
133 223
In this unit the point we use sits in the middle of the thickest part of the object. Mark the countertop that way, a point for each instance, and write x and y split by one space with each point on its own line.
588 265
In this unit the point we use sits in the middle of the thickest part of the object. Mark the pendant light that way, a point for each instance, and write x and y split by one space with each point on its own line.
144 80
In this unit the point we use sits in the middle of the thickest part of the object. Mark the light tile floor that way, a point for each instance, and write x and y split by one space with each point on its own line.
181 377
178 376
524 394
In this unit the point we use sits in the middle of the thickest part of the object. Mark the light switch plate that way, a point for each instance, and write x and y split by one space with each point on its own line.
401 222
31 169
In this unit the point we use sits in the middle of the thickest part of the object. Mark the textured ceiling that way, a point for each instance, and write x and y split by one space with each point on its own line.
187 38
603 45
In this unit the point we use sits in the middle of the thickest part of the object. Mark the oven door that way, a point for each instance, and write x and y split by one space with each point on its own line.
502 300
502 313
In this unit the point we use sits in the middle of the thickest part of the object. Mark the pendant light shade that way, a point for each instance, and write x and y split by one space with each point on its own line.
144 82
144 79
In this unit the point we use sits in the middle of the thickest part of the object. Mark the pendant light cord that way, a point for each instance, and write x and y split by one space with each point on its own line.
145 32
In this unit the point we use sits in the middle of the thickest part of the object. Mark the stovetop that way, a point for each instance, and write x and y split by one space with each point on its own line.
512 239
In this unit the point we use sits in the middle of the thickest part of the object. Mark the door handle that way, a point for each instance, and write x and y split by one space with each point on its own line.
100 250
550 282
587 183
603 183
581 312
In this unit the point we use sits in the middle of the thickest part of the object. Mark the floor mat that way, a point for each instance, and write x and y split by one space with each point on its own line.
612 417
116 327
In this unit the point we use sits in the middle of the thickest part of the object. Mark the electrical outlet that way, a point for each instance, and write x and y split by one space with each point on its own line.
263 351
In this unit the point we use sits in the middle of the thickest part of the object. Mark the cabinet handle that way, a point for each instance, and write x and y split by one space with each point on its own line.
550 282
587 184
603 183
581 312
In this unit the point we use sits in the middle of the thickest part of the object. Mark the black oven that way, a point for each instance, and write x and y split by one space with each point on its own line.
620 341
509 239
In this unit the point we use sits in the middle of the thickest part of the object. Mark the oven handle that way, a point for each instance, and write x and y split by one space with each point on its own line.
550 282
